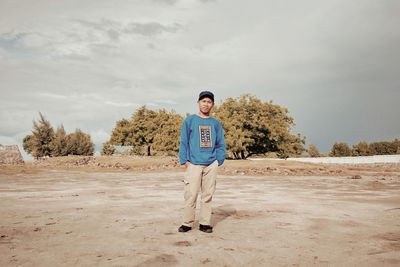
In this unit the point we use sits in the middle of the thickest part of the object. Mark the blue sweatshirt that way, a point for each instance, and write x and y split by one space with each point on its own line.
202 141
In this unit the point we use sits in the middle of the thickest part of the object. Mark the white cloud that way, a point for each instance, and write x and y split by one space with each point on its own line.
166 101
121 104
99 136
150 28
151 105
169 2
50 95
7 140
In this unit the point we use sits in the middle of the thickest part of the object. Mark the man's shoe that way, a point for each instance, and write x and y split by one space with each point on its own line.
184 228
206 228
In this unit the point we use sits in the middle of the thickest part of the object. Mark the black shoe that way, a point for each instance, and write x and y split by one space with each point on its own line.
205 228
184 228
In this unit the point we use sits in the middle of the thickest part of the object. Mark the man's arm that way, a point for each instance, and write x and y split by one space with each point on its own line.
220 145
184 144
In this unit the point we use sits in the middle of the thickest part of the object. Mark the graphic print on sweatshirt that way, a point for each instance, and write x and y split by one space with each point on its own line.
205 136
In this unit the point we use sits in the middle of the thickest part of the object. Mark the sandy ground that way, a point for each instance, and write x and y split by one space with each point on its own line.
78 218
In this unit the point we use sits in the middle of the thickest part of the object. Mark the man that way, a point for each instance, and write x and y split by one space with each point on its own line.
202 150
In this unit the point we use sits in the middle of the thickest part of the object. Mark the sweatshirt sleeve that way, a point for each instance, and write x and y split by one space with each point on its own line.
220 145
184 144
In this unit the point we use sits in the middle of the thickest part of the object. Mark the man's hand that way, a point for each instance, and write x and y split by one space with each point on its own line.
187 164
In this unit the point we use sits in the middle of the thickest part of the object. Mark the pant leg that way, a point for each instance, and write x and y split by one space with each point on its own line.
207 191
192 186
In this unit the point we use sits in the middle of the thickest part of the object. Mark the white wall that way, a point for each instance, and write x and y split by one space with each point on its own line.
352 160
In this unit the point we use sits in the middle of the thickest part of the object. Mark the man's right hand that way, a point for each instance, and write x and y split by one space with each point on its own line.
187 164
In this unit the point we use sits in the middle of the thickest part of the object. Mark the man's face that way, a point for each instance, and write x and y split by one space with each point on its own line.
205 105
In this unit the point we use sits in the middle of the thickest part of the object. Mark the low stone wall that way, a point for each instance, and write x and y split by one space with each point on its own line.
10 155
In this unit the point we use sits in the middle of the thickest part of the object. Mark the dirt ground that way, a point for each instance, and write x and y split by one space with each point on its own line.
274 217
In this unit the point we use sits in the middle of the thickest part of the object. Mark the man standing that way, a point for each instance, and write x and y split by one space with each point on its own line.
202 150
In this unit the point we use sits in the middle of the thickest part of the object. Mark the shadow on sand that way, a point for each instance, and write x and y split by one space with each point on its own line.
221 213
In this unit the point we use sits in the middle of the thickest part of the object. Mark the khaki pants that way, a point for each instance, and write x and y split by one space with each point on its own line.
199 177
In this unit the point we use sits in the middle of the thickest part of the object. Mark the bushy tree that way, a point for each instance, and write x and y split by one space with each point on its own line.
166 139
396 143
149 132
384 148
79 143
361 149
45 142
340 150
59 143
232 115
313 151
122 133
39 143
144 128
255 127
28 144
291 145
108 149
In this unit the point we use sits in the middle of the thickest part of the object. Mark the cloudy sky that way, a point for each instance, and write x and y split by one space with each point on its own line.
86 64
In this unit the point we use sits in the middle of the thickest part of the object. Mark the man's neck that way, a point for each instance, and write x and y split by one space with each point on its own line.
204 115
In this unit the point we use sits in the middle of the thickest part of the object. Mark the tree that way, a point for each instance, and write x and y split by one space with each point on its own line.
396 144
108 149
149 132
384 148
44 142
313 151
255 127
43 135
59 143
28 144
291 145
79 143
340 150
122 133
232 115
166 139
361 149
144 128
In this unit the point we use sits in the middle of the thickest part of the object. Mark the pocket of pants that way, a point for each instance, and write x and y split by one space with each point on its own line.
214 165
